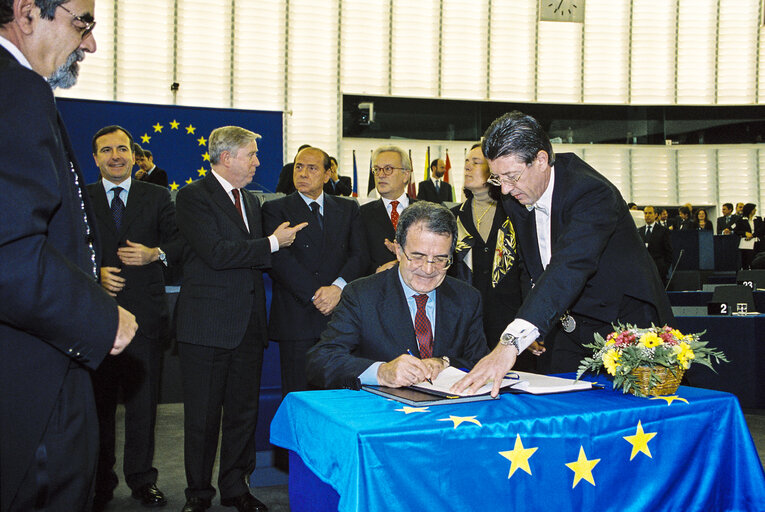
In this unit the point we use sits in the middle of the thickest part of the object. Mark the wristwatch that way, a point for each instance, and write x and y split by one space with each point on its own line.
162 256
446 361
509 339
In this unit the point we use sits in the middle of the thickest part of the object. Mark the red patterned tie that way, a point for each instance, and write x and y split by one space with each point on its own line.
422 327
394 213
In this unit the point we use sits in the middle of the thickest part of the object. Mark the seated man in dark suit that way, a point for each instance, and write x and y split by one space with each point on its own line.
337 185
148 170
656 239
727 219
435 190
370 341
393 171
683 221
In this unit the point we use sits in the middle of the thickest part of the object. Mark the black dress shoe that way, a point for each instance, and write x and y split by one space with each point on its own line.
150 496
196 505
245 503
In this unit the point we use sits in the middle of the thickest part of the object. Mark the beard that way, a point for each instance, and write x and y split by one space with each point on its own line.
66 75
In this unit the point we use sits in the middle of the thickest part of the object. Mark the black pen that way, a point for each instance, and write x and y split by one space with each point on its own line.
427 379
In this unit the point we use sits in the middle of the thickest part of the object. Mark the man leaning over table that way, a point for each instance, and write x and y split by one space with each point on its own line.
408 323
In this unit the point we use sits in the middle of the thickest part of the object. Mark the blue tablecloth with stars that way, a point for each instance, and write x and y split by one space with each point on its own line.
592 450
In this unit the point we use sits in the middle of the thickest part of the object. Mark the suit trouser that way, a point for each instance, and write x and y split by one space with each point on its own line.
565 350
217 383
62 473
136 372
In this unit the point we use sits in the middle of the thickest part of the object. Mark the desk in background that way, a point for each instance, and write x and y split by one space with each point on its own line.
363 452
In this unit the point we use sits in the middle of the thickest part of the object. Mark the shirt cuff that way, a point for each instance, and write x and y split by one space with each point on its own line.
339 282
524 330
369 377
274 243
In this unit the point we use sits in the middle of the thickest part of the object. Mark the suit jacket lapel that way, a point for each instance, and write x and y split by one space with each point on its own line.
446 320
395 302
383 220
133 207
222 199
253 213
102 208
300 211
331 221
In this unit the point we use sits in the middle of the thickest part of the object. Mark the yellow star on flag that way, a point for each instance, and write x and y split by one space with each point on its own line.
639 441
157 128
202 171
202 141
519 456
174 186
458 420
670 399
188 181
145 138
174 124
190 129
406 409
206 156
582 468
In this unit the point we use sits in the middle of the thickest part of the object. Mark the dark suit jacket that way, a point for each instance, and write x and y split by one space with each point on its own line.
597 256
149 219
723 223
679 223
285 184
659 247
343 186
222 279
378 227
53 312
426 191
158 177
315 259
373 323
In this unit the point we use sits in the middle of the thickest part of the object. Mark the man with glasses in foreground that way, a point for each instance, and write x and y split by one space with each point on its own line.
404 325
56 322
393 170
588 265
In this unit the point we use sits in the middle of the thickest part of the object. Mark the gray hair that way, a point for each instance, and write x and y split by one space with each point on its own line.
228 138
518 134
436 217
405 162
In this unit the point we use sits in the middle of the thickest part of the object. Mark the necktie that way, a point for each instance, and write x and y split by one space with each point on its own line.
317 212
118 207
438 186
647 233
238 203
394 214
422 328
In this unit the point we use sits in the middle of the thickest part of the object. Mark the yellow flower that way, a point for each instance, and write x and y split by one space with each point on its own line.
677 334
650 340
611 361
610 342
684 354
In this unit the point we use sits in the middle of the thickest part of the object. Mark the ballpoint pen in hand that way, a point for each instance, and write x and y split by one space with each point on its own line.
426 378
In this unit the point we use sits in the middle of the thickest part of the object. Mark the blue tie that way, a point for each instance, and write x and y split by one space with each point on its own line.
118 207
315 209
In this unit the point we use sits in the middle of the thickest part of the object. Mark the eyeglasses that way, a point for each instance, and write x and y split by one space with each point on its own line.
83 24
496 179
386 171
419 260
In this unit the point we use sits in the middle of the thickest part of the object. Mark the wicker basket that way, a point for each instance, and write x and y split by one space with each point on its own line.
668 381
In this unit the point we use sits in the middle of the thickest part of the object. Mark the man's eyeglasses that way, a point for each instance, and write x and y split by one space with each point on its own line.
81 23
497 180
386 171
419 260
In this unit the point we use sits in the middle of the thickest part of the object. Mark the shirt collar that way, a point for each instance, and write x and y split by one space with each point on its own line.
308 200
544 203
403 201
408 292
125 185
228 187
13 50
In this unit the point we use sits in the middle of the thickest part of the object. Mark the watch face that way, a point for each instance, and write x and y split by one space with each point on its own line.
561 10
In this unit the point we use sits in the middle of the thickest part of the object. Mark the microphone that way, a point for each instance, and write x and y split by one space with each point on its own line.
674 267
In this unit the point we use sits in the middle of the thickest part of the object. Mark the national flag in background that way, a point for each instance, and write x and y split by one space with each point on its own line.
448 165
371 183
427 164
411 190
355 192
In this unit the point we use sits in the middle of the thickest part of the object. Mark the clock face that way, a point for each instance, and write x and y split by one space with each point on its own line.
561 10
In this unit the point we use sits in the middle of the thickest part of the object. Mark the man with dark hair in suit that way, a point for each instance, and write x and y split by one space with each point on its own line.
148 170
337 185
726 220
392 170
136 221
580 246
435 190
683 221
310 275
369 342
221 319
656 240
56 322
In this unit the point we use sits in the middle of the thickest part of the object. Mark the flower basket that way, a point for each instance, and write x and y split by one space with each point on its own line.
665 380
648 361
